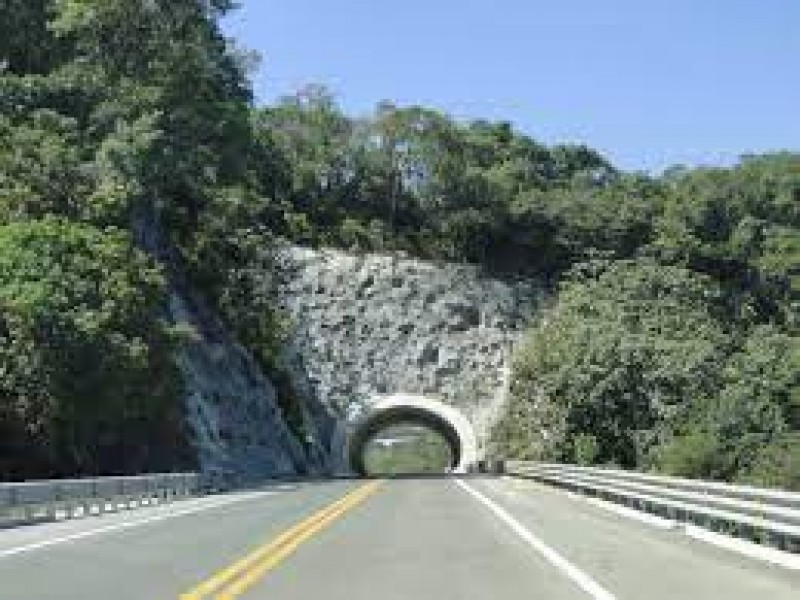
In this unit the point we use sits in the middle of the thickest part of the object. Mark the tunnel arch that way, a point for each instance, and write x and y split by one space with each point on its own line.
442 418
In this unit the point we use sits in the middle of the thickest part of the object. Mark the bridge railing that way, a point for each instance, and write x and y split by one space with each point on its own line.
47 500
766 516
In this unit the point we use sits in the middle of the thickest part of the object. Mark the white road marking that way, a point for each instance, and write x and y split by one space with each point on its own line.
578 577
745 547
130 524
632 513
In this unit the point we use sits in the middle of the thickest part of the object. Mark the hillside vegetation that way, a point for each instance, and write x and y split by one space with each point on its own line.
683 356
672 343
133 160
127 164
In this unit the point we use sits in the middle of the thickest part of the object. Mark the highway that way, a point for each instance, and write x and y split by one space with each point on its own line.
475 538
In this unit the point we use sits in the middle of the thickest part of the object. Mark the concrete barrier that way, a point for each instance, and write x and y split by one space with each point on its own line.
47 500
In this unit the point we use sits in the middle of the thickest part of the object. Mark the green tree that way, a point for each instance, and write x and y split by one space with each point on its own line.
626 350
88 383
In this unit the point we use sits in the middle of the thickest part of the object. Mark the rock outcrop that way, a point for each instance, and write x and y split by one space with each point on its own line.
231 407
362 328
369 326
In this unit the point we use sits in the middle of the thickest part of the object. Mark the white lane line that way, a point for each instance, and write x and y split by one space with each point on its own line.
129 524
631 513
578 577
745 547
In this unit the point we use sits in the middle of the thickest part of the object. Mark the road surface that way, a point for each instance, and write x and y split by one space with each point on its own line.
406 539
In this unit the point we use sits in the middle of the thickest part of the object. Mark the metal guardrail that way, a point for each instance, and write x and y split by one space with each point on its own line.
48 500
766 516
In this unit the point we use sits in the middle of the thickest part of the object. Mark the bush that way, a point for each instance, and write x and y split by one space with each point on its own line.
87 381
777 465
628 346
585 449
695 454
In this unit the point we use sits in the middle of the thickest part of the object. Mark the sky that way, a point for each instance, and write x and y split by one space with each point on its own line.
649 83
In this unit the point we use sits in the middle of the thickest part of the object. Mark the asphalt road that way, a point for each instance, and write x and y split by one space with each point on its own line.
410 539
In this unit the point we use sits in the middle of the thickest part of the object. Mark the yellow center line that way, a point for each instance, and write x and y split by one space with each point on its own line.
275 546
268 562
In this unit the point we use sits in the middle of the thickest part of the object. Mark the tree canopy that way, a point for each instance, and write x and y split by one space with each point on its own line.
683 357
127 160
87 379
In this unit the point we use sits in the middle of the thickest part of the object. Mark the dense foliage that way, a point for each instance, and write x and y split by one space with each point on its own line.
685 357
123 125
417 181
87 377
132 159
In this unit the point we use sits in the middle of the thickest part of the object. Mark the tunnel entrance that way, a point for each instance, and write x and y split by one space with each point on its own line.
407 449
434 422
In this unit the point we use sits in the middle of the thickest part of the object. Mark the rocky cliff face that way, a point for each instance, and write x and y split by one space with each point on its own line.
231 407
362 327
367 326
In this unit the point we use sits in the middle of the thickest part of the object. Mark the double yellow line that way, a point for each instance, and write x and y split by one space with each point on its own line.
233 581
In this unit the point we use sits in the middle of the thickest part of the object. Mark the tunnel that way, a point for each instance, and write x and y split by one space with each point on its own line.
441 418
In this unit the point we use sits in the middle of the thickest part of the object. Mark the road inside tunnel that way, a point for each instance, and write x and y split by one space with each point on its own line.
408 448
435 417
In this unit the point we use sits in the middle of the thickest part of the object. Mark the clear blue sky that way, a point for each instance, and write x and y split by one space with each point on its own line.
648 82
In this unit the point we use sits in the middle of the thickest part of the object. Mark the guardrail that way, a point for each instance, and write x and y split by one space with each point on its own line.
492 466
766 516
47 500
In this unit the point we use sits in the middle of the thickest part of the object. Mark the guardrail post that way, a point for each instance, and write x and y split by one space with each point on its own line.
59 498
120 495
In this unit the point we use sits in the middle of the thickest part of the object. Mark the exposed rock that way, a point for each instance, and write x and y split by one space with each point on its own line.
231 407
379 325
